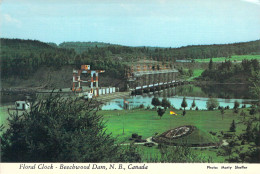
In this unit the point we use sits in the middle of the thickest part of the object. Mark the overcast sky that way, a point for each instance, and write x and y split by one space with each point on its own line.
165 23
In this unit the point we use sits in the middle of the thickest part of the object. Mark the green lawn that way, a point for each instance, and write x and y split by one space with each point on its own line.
147 123
3 114
196 73
233 58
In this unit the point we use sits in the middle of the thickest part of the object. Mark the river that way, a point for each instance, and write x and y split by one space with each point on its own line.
226 95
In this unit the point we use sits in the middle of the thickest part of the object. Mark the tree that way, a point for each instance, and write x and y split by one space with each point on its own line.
58 130
165 103
249 133
212 103
253 110
156 102
236 104
222 111
179 154
233 126
184 103
193 103
190 72
210 64
160 112
235 111
255 84
243 114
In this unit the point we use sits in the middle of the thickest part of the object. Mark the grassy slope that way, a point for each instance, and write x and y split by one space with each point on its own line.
196 73
197 137
233 58
147 123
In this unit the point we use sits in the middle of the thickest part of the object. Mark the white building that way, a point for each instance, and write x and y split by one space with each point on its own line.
22 105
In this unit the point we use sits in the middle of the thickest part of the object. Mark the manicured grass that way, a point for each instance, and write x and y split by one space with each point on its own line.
147 123
233 58
3 114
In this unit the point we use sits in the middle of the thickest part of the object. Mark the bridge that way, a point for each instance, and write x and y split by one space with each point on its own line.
151 75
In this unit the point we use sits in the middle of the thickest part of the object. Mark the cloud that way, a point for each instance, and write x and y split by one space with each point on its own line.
257 2
6 18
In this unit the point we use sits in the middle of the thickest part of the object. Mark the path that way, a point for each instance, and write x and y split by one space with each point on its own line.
149 140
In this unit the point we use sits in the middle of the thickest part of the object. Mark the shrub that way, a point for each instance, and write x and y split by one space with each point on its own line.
141 106
160 112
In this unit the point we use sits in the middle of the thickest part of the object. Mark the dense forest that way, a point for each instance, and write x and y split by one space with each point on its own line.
227 72
80 47
20 58
187 52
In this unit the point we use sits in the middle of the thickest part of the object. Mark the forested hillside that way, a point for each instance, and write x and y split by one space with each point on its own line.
227 72
22 58
80 47
187 52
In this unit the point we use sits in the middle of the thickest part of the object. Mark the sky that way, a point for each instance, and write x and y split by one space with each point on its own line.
163 23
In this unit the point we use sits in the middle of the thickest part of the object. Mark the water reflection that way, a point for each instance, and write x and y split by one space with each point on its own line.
226 95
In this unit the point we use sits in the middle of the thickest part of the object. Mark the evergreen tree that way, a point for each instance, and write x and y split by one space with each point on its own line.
253 110
222 111
165 103
58 130
184 103
193 103
210 64
233 126
236 104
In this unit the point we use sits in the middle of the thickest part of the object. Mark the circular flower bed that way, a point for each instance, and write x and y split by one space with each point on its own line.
175 133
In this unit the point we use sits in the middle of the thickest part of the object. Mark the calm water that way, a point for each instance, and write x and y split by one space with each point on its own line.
225 94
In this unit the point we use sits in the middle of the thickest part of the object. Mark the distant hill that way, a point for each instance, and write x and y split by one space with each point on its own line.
186 52
80 47
22 58
23 44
